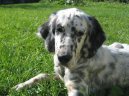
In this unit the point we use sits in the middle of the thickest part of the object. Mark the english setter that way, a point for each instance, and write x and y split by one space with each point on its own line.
80 59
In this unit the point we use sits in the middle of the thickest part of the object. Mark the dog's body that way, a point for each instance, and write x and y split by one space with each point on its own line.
80 60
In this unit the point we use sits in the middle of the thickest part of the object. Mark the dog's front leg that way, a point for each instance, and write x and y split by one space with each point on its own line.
76 89
31 81
74 92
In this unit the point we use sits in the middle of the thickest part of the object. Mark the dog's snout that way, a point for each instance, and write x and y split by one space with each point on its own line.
64 58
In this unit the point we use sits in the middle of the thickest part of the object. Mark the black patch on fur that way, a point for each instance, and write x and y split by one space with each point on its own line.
119 46
71 47
68 18
48 35
62 71
62 46
75 46
112 66
72 22
96 36
79 39
44 30
73 29
68 25
50 41
60 28
78 17
76 24
80 33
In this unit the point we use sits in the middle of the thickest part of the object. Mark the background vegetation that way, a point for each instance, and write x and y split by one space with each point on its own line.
22 54
70 2
82 2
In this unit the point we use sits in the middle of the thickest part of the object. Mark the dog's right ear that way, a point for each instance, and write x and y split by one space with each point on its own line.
43 30
46 34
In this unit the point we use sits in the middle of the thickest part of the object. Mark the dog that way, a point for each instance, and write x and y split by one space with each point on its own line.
81 60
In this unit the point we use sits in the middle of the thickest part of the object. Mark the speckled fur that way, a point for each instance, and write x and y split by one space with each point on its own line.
91 66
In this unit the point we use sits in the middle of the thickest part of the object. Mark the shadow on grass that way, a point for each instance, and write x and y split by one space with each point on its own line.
30 6
114 91
4 92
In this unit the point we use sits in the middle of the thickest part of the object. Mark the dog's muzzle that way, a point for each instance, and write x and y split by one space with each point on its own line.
64 55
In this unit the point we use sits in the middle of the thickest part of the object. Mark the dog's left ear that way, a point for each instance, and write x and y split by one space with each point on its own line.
96 36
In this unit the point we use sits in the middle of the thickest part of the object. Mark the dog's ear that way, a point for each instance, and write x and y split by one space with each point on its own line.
96 36
46 34
43 30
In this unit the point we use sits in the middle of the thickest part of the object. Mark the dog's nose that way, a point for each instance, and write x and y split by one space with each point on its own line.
64 58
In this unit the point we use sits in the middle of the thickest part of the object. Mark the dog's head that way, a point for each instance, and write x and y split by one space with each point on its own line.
71 34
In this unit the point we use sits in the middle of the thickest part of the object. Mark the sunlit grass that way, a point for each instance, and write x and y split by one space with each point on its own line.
22 54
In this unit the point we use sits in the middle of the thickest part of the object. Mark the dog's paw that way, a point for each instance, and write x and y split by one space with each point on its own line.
32 81
18 86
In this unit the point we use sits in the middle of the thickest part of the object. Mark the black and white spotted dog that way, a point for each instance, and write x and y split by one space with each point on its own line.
80 59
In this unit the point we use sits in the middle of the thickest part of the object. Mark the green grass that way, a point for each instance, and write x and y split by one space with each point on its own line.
22 54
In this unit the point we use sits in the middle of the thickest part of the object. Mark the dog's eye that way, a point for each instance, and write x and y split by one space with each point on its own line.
60 29
80 33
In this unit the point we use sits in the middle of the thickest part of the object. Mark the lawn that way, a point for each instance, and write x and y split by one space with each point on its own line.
22 53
